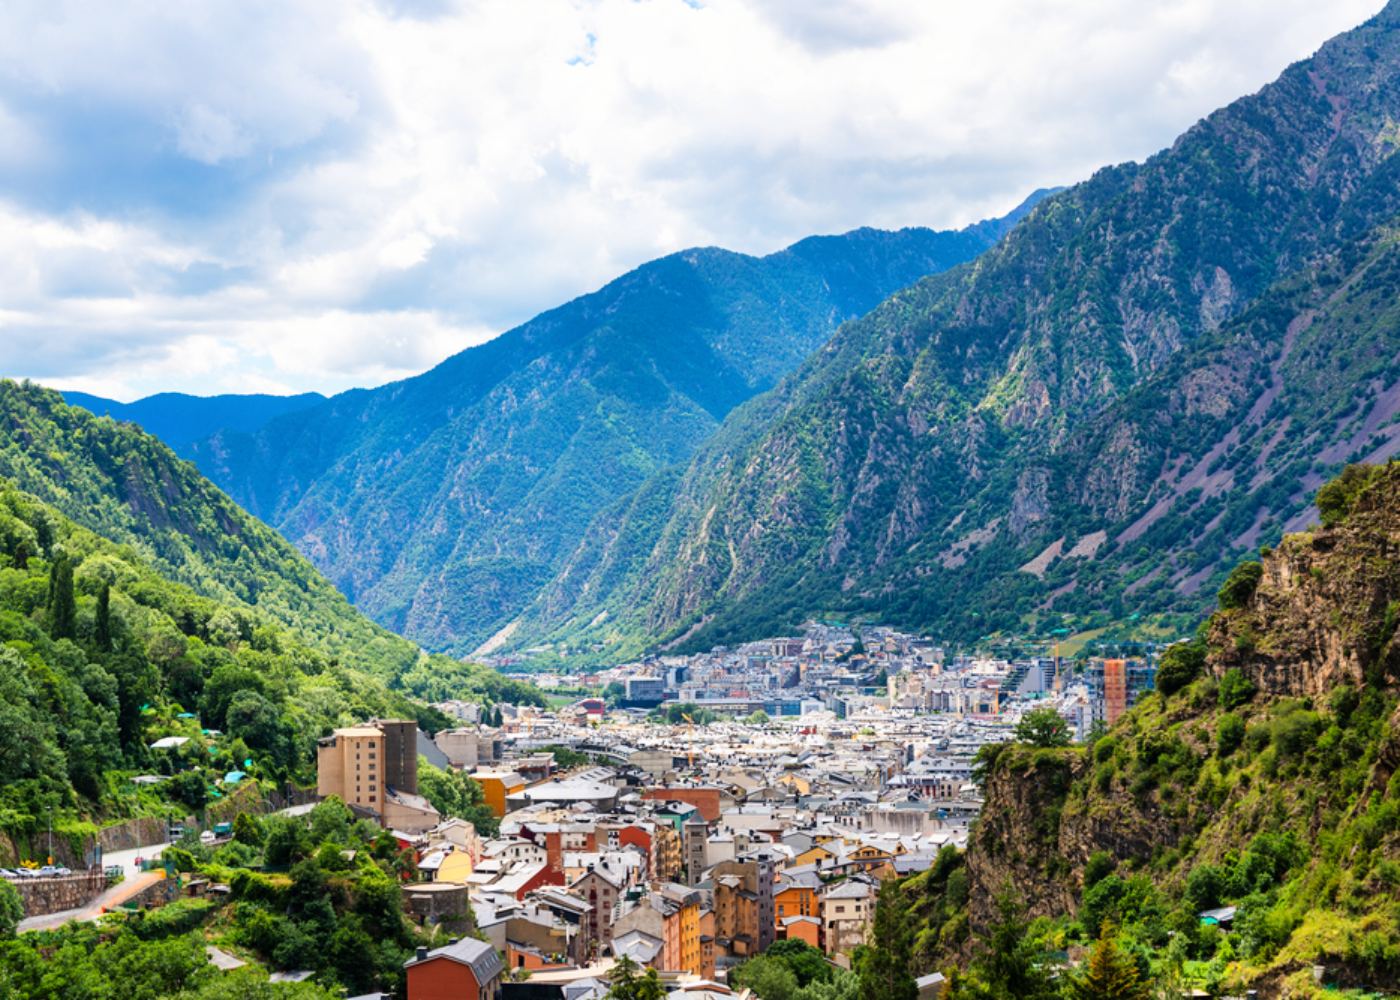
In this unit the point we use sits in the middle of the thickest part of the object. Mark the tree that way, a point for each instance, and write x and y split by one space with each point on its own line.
1235 689
1336 499
1240 585
62 606
1229 734
808 964
1181 663
285 841
1010 965
769 978
884 966
248 829
190 788
1043 727
453 793
102 633
1110 973
255 720
11 909
629 984
224 684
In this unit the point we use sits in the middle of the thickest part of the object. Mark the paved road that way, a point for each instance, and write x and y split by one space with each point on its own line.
127 859
109 900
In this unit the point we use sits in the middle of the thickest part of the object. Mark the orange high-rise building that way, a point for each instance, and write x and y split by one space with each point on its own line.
1115 690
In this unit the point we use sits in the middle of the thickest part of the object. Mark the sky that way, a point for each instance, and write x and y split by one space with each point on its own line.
293 195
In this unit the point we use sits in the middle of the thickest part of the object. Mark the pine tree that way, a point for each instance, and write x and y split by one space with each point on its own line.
103 632
1011 966
884 965
1110 974
63 608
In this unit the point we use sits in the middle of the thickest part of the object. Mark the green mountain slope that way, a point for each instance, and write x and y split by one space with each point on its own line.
126 486
442 503
1145 378
102 660
1262 776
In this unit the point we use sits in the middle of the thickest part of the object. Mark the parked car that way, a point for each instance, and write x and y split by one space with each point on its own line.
62 871
28 872
8 873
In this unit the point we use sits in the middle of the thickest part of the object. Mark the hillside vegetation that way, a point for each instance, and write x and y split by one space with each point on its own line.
100 656
1262 775
127 487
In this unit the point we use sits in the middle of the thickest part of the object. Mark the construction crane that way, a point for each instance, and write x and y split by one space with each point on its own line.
690 741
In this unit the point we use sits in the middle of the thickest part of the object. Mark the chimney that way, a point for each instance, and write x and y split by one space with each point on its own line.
422 953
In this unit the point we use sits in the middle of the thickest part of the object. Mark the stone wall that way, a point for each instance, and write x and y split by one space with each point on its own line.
53 895
133 833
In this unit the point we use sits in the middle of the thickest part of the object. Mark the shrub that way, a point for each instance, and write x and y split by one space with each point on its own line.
1336 499
11 909
1181 664
1205 886
1295 733
1229 734
1099 865
1235 689
1240 585
1043 727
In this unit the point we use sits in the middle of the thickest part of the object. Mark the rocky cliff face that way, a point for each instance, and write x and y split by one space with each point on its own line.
1017 843
1325 609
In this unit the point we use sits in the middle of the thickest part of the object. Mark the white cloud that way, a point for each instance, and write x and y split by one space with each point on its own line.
319 194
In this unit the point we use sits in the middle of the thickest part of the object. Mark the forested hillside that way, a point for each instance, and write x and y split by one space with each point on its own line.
1147 378
150 628
127 487
442 504
100 658
101 655
1263 776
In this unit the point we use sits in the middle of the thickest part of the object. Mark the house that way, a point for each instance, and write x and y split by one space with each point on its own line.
464 970
497 786
601 886
848 909
932 986
797 896
374 767
805 929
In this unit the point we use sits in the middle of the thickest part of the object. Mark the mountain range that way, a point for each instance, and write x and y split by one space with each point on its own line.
1082 413
1148 377
181 420
443 503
